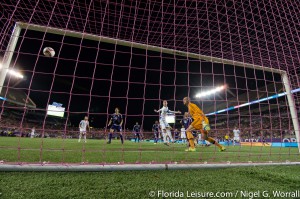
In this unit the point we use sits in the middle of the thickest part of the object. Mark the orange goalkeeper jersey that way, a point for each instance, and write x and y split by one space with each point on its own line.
195 112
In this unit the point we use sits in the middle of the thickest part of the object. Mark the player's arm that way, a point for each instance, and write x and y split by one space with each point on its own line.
175 112
109 123
157 111
79 125
121 121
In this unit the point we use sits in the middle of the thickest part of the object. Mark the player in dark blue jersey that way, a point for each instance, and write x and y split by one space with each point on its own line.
116 121
137 132
186 121
155 129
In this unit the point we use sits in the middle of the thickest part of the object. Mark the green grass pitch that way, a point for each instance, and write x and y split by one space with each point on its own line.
139 184
54 150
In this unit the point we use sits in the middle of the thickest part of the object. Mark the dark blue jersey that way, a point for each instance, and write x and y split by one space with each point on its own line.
155 127
186 122
116 119
136 128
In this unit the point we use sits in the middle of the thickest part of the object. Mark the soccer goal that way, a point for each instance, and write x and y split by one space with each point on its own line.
254 117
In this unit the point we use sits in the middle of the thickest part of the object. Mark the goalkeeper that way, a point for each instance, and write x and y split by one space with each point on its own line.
200 123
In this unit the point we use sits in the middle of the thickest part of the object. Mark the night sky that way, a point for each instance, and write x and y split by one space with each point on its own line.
93 78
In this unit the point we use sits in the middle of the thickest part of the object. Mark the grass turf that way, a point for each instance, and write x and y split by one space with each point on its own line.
138 184
54 150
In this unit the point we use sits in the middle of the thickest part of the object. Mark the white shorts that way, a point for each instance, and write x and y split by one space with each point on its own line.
163 124
236 139
82 132
183 136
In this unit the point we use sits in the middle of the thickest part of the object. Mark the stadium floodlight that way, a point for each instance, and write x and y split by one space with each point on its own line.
210 92
15 74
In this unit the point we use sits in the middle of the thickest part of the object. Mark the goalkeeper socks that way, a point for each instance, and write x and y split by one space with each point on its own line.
213 141
190 138
192 143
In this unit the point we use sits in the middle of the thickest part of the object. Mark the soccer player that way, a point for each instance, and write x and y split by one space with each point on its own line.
83 126
176 135
236 133
137 130
155 129
200 123
186 120
183 135
32 132
116 120
227 138
165 127
263 139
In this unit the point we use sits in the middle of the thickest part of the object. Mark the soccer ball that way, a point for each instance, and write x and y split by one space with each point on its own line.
49 52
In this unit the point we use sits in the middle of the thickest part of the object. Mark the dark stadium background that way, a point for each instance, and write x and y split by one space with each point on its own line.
112 62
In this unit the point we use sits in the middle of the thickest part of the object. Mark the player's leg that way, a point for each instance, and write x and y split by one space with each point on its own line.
169 134
190 138
164 133
212 140
111 130
80 135
138 137
119 129
84 136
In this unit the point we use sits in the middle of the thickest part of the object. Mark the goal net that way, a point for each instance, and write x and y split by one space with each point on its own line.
236 61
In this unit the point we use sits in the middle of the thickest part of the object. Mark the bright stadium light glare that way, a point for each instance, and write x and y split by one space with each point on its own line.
210 92
15 74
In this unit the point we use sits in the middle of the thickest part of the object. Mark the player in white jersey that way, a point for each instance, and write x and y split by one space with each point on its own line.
83 127
183 135
32 132
165 127
236 133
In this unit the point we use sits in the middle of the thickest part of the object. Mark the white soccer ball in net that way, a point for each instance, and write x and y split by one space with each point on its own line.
49 52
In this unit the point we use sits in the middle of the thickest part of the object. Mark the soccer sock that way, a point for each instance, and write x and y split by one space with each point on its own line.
164 137
79 138
109 137
213 141
190 139
84 138
121 136
170 135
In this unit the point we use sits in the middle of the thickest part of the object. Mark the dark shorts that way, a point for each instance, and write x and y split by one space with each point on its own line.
137 134
195 134
116 128
156 134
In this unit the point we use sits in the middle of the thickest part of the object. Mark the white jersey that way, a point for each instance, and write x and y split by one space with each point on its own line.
32 132
236 133
162 118
163 112
182 133
82 125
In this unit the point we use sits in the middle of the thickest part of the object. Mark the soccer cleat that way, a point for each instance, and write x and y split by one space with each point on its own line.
108 142
167 144
223 149
190 149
